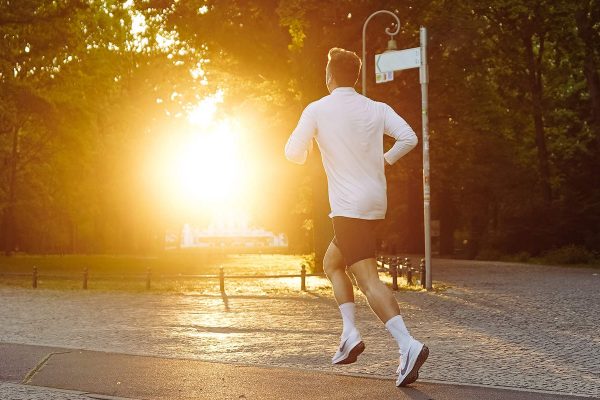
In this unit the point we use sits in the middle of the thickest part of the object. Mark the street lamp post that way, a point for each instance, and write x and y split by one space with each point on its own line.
424 80
396 61
391 43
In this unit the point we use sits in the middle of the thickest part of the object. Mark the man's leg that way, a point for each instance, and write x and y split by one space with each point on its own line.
351 344
379 296
335 269
384 305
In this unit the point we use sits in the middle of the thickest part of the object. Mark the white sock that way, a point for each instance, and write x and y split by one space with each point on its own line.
398 330
347 310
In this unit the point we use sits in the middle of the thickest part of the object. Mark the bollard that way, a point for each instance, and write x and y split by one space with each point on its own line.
303 278
85 278
148 278
408 272
394 273
221 280
34 280
422 267
400 267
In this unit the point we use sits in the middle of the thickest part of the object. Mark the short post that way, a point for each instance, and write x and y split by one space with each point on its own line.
85 278
422 267
303 278
408 272
394 273
34 279
148 278
400 265
221 280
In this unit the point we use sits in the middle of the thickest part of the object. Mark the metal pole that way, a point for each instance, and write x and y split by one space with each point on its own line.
221 280
303 278
34 278
394 272
424 78
85 278
364 37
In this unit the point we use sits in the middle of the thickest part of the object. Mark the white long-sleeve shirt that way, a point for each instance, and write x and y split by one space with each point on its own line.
349 129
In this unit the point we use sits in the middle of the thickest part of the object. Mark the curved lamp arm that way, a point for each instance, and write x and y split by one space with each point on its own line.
364 36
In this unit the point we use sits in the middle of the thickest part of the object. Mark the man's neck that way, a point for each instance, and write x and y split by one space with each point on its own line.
342 87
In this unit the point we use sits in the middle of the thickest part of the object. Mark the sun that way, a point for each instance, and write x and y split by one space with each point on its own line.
207 168
201 168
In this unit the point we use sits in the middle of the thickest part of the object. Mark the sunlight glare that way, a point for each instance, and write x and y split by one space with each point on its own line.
207 169
202 167
203 113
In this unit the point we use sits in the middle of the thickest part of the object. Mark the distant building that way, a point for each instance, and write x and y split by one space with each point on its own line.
232 232
210 237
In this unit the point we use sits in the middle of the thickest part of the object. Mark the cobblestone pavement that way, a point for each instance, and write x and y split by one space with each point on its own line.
510 325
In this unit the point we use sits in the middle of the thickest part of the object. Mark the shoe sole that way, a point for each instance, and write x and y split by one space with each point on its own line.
414 374
353 355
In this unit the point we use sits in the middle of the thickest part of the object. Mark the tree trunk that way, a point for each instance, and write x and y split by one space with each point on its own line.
72 235
534 64
590 70
9 222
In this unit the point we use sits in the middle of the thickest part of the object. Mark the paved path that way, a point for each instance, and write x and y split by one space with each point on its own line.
89 374
503 325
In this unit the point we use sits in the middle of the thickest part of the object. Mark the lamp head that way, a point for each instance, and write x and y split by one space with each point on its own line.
392 45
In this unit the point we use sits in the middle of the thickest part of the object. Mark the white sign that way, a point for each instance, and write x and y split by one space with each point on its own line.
382 77
398 60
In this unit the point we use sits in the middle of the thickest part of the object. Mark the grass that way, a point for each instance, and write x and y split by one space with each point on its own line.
167 263
122 272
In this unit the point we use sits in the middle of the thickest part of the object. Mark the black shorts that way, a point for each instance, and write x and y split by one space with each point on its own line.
355 238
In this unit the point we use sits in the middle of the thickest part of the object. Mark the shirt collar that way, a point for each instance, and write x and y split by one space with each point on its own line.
343 89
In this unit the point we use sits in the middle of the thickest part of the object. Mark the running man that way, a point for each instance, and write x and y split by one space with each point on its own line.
349 129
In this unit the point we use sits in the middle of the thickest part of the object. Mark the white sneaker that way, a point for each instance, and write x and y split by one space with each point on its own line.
350 348
408 370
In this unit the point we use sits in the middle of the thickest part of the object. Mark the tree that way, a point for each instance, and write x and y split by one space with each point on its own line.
79 84
89 90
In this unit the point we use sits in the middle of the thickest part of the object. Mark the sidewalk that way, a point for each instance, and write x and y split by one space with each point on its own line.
502 325
88 374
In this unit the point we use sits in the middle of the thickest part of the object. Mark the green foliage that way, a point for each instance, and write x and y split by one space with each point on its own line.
570 254
77 89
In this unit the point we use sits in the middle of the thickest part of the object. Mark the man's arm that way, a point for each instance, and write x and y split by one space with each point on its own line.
396 127
300 143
